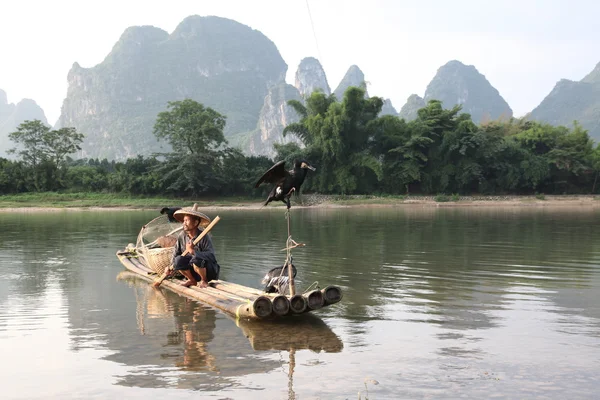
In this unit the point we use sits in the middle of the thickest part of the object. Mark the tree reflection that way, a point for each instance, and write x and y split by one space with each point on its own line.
451 267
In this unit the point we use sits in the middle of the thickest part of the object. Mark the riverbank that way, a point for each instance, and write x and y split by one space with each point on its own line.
77 201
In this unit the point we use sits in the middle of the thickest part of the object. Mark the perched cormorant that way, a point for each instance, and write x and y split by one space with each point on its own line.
277 279
286 182
170 211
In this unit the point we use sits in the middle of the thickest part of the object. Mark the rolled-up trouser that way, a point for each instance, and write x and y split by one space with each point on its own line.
186 263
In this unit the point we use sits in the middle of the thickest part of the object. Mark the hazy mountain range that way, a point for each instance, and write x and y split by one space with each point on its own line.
12 115
240 73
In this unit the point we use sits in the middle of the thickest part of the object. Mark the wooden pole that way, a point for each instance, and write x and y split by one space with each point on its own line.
288 259
291 393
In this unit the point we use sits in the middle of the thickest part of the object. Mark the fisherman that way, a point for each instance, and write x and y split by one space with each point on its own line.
199 265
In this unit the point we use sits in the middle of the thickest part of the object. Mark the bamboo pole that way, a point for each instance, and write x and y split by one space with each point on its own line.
332 294
258 308
292 284
315 299
298 304
288 260
225 285
280 303
261 305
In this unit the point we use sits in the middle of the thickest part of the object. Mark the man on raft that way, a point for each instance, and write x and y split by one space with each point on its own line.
199 265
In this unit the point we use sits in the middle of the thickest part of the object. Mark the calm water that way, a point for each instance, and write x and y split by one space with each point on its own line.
438 303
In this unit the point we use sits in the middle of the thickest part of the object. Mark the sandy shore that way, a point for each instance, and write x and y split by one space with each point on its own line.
584 201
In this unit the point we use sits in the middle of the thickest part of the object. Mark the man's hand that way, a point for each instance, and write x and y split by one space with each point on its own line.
189 247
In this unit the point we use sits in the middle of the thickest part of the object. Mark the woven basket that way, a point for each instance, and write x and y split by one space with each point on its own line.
159 259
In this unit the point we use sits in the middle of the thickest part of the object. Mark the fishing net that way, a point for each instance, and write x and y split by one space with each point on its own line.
155 243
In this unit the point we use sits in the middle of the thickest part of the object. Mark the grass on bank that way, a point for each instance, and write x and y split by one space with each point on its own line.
77 200
85 200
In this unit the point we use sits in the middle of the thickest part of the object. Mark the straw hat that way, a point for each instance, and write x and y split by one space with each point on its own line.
179 214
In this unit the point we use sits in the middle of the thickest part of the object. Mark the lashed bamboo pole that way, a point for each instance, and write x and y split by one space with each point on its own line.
298 302
280 303
253 309
332 294
315 299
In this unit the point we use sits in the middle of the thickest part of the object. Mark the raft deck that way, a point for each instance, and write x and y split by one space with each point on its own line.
237 300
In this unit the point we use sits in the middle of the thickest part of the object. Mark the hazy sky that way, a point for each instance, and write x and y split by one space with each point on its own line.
522 47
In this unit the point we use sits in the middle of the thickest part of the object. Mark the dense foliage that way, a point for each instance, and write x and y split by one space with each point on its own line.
355 152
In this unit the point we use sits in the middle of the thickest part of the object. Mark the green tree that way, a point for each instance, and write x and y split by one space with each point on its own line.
196 134
338 138
571 160
60 143
29 138
311 116
430 128
404 149
13 177
595 161
190 127
45 151
85 178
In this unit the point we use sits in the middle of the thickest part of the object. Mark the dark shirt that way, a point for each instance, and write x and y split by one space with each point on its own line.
203 250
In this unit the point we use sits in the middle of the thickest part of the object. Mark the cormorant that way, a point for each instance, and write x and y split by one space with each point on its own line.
286 182
170 211
277 282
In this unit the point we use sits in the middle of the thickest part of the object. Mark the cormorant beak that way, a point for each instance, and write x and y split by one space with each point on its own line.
305 165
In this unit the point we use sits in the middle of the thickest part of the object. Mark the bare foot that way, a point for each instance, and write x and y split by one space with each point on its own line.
188 283
202 284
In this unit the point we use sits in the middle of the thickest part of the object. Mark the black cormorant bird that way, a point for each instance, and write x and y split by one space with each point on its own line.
286 182
170 211
277 282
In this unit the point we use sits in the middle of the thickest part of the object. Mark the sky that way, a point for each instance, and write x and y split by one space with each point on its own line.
522 47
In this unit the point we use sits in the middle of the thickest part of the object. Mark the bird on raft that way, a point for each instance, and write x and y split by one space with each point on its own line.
286 182
170 211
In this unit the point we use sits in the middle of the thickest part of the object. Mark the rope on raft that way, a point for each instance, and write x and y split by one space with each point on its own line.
291 244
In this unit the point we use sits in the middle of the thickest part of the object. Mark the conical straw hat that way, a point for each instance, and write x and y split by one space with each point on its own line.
179 214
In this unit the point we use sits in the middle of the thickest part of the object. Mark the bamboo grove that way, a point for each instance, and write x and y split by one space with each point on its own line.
355 152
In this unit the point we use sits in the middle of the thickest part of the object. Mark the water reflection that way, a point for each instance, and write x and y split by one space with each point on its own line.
444 300
196 338
294 333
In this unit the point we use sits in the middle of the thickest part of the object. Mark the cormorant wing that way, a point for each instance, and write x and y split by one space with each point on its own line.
273 175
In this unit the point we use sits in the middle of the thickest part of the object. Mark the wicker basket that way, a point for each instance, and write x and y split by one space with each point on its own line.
159 259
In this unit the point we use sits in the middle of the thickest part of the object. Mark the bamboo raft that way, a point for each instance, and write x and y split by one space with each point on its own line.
306 332
241 302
